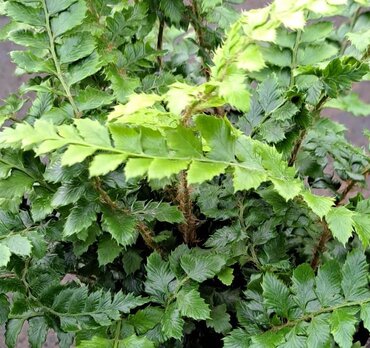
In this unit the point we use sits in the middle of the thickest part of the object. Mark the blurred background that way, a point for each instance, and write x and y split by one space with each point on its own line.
9 83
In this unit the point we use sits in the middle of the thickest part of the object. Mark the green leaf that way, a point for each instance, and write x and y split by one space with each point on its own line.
316 53
183 141
251 59
16 185
246 179
132 341
4 309
92 98
41 204
93 132
192 305
105 163
4 255
37 332
96 342
340 221
81 217
174 10
122 86
270 95
172 323
350 103
220 319
272 132
125 138
328 282
69 192
201 171
318 204
83 68
226 276
55 7
355 277
19 245
238 338
159 277
137 167
76 47
146 319
29 39
69 19
294 340
162 168
121 226
25 14
318 332
163 212
76 154
233 89
200 268
131 261
269 339
361 39
13 329
365 315
317 31
285 112
136 342
339 74
125 303
287 189
108 251
276 295
210 4
342 323
303 286
277 56
362 227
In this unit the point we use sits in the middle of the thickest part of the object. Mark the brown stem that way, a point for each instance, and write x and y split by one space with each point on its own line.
160 42
296 148
196 21
188 228
326 234
352 24
302 135
144 230
321 245
147 235
350 185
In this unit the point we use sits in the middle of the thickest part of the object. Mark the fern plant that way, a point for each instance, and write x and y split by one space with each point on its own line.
173 182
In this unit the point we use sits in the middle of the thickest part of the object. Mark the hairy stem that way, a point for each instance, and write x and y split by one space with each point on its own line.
352 24
298 144
188 228
145 232
326 234
350 185
295 57
58 68
160 42
321 245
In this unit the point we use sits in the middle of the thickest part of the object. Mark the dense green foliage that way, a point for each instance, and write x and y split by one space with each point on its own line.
167 178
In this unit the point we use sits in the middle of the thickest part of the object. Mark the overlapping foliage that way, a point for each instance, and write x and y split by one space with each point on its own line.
164 187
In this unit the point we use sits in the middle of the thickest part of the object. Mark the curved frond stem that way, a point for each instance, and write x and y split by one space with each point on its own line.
57 65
